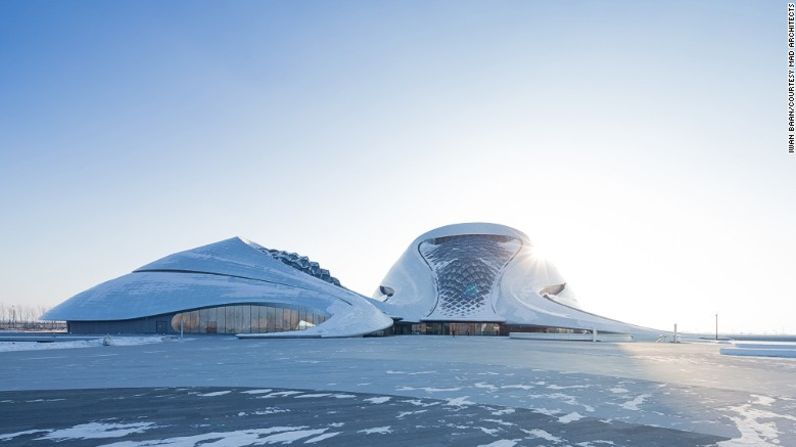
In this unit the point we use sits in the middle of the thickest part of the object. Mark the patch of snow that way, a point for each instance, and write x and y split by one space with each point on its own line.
522 387
501 443
633 404
407 413
420 403
97 430
133 341
763 400
13 346
322 437
618 390
459 402
545 411
271 410
9 436
541 434
571 417
499 422
428 389
215 393
376 430
238 438
289 437
567 387
279 394
378 400
261 391
303 396
489 431
754 431
565 398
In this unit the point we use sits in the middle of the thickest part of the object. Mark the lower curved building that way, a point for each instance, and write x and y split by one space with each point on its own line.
481 278
229 287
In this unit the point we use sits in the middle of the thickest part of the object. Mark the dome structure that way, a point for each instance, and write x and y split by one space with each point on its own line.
484 273
233 286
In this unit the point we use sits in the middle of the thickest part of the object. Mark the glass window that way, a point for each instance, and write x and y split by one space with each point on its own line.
246 322
204 317
246 319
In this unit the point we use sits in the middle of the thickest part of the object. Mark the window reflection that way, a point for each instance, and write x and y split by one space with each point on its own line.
245 318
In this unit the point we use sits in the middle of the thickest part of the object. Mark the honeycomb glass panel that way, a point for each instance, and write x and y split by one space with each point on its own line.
465 269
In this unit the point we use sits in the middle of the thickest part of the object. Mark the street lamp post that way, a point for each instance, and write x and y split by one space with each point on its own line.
717 327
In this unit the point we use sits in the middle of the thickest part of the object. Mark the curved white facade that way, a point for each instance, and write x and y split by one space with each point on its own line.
229 272
481 272
463 275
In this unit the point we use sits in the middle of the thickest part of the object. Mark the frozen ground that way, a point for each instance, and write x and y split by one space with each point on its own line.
233 417
565 393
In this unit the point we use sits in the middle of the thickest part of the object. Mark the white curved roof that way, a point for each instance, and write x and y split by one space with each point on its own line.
473 228
232 271
483 272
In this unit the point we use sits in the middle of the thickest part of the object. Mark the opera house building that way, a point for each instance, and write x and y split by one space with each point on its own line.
464 279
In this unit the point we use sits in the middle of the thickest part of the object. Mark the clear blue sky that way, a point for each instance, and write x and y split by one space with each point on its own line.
642 144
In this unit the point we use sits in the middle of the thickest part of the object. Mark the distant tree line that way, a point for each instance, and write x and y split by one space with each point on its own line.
22 317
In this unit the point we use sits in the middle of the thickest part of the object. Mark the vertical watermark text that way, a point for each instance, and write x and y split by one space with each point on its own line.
791 78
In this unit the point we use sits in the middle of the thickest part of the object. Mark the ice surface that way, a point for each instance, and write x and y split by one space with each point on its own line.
236 438
688 387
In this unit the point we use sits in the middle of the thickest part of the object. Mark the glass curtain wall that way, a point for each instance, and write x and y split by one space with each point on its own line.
448 328
246 318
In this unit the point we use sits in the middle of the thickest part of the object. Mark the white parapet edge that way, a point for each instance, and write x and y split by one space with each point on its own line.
759 352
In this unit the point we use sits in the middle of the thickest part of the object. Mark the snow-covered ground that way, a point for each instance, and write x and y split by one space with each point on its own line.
688 387
7 346
235 417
